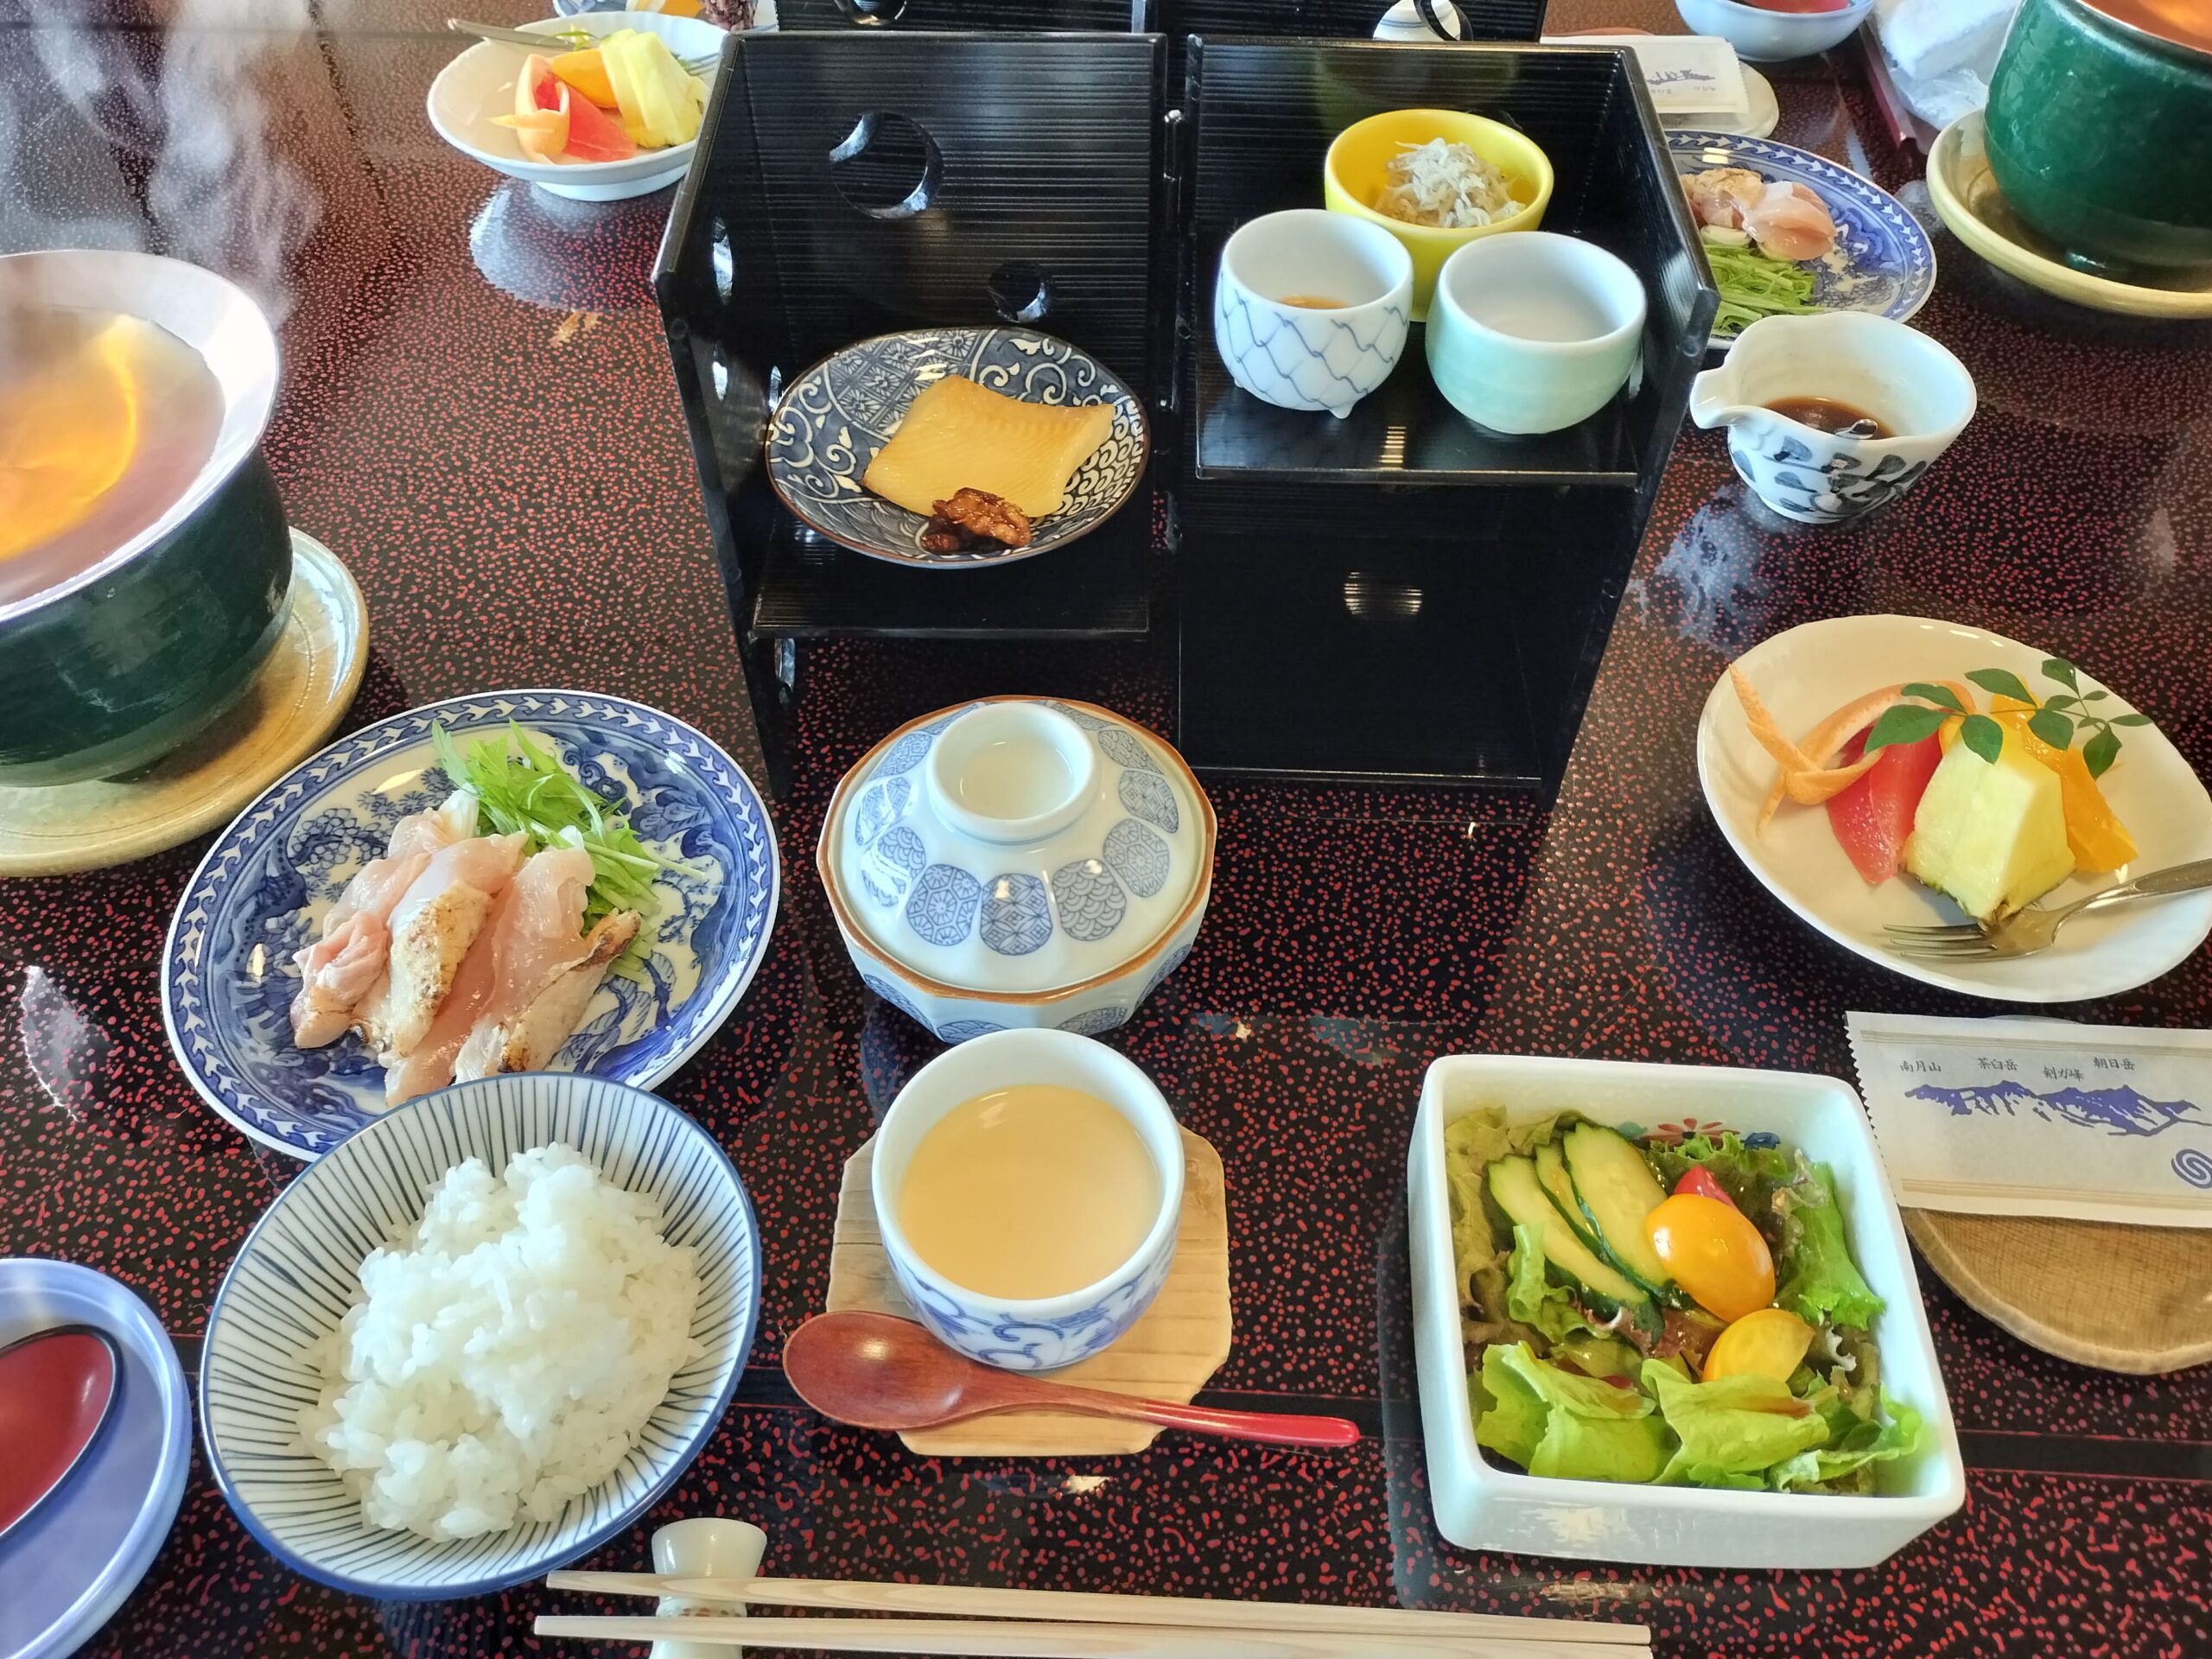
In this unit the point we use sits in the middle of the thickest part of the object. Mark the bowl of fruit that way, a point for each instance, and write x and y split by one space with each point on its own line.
1879 774
610 108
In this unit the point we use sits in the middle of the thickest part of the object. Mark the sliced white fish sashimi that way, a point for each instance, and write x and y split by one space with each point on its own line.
1790 222
344 966
532 949
432 925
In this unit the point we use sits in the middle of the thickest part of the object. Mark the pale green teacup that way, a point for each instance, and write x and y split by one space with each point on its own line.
1531 332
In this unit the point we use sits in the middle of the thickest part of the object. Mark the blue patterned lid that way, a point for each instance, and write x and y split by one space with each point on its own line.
1017 845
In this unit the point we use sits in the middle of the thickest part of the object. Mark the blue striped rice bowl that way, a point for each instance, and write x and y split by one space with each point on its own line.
300 1268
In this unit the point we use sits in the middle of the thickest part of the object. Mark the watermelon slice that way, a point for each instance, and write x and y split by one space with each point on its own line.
594 135
1873 818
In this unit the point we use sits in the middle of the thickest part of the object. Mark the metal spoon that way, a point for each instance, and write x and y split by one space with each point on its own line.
578 38
873 1371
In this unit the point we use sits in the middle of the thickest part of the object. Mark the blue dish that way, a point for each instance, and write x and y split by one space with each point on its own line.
227 978
1884 262
300 1266
69 1564
834 418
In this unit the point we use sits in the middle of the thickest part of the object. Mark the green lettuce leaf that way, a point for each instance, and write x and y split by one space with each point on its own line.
1556 1424
1846 1463
1471 1140
1820 1281
1733 1429
1747 1174
1532 1299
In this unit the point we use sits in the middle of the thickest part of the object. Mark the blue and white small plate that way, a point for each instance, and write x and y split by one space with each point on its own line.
833 419
299 1270
260 895
68 1565
1883 261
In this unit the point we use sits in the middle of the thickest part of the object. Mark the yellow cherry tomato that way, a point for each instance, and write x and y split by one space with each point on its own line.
1768 1342
1714 1253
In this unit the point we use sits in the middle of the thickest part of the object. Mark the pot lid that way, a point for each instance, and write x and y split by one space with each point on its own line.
1017 845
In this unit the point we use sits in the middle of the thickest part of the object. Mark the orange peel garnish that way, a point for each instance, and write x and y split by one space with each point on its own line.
1807 776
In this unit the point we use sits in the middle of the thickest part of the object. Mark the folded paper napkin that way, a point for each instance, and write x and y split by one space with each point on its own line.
2041 1117
1940 52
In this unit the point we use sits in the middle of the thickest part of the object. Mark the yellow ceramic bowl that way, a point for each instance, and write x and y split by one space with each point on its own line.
1355 173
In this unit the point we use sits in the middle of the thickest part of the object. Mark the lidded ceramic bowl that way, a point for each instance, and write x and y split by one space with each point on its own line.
1018 862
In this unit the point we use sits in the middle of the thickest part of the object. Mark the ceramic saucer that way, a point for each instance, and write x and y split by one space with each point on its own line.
299 694
71 1562
1807 671
1967 200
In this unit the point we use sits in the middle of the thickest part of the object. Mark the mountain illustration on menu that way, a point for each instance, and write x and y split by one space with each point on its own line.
2118 1111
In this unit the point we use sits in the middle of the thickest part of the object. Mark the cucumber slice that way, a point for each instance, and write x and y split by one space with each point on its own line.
1558 1186
1514 1186
1616 1190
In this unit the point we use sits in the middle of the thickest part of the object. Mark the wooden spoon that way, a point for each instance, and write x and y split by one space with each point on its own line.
873 1371
55 1387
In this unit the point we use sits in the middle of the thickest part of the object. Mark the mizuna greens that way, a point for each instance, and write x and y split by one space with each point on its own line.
1588 1364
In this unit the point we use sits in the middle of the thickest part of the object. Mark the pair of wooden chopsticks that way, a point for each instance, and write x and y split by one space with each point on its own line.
1054 1624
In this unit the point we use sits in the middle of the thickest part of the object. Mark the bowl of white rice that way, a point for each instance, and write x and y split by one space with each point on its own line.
481 1337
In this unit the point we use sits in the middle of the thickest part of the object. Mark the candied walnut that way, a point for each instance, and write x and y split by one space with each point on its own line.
991 516
942 536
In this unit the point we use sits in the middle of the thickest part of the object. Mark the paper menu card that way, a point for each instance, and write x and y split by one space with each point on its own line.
2041 1117
1686 74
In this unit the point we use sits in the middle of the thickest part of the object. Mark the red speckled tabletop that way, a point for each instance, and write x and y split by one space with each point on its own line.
479 418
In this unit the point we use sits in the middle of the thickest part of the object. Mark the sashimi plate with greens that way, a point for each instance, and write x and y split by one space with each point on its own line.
674 833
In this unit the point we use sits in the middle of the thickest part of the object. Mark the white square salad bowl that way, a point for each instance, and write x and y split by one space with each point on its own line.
1480 1505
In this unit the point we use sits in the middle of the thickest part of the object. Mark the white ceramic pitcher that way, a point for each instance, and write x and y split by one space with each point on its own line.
1922 393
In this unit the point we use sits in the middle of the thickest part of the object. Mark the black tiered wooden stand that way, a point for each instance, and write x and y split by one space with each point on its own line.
1392 596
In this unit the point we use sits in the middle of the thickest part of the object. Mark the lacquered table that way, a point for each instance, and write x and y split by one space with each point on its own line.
479 416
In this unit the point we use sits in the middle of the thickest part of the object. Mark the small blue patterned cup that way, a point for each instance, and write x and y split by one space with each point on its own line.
1043 1333
1310 307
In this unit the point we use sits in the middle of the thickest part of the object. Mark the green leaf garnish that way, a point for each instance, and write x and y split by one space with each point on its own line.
1984 736
2003 682
2062 703
1937 694
2051 727
1754 285
2131 720
1905 722
2057 668
2101 751
521 788
2098 696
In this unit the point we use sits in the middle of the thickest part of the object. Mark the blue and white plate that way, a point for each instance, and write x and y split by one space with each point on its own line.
300 1269
1884 262
834 418
66 1568
260 895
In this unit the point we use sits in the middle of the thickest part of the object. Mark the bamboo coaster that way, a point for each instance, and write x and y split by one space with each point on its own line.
2122 1299
1166 1355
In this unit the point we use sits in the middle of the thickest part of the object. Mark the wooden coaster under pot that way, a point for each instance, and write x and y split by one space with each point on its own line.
1167 1355
2141 1311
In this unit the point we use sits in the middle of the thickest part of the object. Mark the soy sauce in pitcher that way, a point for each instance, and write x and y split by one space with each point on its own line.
1831 415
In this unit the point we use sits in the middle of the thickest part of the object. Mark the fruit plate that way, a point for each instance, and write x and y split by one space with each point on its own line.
1804 674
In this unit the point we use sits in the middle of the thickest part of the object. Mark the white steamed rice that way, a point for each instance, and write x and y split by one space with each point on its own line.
504 1356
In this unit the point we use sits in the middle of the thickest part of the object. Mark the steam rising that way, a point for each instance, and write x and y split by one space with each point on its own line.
186 111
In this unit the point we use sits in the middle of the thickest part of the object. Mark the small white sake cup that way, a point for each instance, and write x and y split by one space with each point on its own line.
1531 332
1303 356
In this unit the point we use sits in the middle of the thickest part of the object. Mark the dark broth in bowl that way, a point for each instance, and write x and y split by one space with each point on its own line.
105 421
1832 414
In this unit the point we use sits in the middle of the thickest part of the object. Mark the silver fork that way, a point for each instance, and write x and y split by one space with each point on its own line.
2026 931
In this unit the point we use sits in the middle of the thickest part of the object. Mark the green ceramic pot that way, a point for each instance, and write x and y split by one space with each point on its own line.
2100 135
115 666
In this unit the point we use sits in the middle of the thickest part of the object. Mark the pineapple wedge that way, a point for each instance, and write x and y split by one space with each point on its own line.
1991 833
